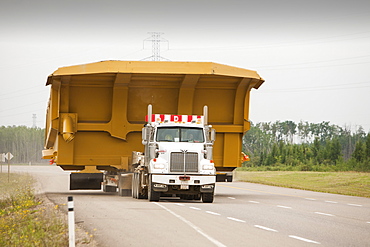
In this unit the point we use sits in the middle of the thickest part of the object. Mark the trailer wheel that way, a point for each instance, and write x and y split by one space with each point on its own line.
152 195
207 197
109 188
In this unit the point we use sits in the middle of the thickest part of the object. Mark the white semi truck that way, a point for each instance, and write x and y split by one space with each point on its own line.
177 159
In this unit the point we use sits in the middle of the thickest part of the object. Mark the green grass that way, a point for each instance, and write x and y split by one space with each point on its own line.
24 220
345 183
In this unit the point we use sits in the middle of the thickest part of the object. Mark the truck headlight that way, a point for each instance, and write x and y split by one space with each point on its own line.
158 166
208 167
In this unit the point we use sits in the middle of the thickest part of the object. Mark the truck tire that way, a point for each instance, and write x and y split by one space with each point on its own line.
153 196
207 197
136 182
197 197
124 192
109 188
229 178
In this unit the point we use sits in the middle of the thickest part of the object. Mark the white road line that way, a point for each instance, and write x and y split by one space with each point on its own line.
356 205
232 198
265 228
311 199
214 213
368 222
234 219
179 204
199 230
304 239
253 202
280 206
331 202
324 214
195 208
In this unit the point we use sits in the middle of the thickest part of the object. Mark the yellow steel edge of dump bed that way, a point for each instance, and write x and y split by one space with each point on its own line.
148 67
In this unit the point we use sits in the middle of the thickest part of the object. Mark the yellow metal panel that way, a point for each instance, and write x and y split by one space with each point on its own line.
232 147
186 94
100 149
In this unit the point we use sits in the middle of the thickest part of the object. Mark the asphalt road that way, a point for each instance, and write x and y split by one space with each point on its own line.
243 214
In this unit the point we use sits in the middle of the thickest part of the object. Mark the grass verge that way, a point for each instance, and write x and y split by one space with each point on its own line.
345 183
24 220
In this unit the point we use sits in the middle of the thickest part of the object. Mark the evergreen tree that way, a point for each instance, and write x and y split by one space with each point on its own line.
360 153
367 151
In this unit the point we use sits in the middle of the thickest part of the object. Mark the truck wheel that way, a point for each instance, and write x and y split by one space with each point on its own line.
109 188
197 197
138 194
207 197
153 196
229 178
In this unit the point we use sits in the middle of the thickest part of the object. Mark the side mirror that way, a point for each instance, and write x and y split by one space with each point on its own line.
213 135
143 134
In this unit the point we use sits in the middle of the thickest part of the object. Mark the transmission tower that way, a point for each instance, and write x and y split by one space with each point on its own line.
34 120
156 40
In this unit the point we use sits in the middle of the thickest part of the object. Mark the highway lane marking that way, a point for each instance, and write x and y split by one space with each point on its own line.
179 204
197 229
272 193
304 239
265 228
235 219
254 202
280 206
232 198
331 202
214 213
195 208
368 222
324 214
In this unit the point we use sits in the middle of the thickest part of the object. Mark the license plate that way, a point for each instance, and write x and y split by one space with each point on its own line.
184 186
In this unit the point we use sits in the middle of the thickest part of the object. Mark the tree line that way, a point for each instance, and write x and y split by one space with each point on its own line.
270 146
24 143
306 147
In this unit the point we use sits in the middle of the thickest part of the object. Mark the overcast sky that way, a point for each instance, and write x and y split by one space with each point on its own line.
314 55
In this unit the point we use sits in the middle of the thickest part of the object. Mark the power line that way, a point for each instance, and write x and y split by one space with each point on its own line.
22 106
321 88
329 39
316 62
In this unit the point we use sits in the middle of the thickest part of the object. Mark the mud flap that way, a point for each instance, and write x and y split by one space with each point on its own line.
85 181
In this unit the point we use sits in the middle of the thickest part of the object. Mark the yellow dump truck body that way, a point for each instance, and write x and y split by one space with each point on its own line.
96 111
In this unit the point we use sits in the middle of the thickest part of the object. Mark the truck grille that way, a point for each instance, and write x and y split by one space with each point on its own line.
177 162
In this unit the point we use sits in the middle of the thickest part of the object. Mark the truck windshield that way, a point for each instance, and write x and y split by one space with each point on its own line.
179 134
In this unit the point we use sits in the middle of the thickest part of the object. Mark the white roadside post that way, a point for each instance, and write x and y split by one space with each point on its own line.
8 156
71 222
2 159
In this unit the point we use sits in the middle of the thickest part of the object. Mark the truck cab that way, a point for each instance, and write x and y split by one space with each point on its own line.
178 157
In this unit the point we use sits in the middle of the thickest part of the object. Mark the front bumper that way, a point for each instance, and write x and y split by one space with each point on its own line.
176 183
175 179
